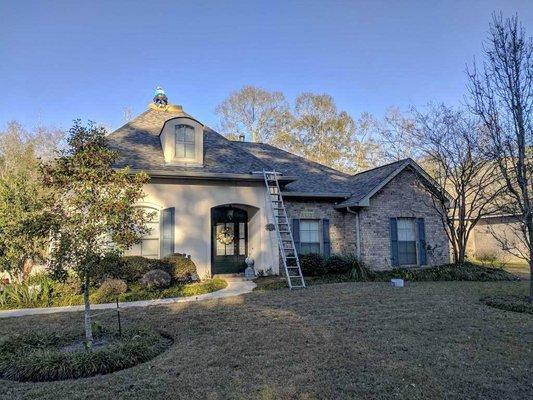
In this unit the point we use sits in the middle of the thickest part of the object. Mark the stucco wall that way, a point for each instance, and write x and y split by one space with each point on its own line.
401 197
193 203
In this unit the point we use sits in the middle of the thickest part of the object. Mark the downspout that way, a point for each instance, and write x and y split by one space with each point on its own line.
357 232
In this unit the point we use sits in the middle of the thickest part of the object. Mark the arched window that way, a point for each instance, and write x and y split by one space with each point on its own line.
149 245
185 147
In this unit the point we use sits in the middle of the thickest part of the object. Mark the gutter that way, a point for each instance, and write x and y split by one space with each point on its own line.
328 195
200 175
357 231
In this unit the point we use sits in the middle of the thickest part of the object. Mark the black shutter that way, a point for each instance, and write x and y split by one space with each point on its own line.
296 234
394 242
325 238
167 232
422 256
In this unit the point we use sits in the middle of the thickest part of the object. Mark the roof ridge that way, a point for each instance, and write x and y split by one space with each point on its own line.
295 155
402 161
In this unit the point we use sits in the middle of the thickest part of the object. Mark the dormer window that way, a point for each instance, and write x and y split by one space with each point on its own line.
182 141
185 143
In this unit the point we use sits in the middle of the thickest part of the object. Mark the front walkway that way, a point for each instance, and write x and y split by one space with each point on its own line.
236 286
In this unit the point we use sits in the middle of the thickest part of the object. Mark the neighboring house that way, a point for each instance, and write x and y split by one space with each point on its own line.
498 237
212 204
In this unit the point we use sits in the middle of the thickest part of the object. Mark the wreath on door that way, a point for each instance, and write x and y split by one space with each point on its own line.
225 236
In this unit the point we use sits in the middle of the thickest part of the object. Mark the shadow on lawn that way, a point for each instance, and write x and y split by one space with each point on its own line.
352 340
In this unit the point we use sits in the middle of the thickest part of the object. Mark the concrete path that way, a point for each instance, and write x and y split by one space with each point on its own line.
236 286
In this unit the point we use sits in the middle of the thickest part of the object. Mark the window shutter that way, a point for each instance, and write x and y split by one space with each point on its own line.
296 234
166 240
394 242
325 238
422 256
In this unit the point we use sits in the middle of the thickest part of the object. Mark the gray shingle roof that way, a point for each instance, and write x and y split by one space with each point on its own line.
139 147
311 177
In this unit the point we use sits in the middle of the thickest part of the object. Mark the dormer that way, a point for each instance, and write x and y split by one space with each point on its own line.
182 140
182 137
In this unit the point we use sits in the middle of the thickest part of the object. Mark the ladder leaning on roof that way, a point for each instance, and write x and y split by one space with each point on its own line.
287 249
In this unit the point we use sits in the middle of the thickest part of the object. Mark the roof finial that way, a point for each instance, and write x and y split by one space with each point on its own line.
160 98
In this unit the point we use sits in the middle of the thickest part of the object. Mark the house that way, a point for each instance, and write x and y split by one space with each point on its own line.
211 203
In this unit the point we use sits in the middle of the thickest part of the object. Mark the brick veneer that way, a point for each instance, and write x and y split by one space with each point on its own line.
402 197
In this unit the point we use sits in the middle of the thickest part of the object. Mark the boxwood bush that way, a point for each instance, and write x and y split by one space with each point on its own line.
38 356
182 268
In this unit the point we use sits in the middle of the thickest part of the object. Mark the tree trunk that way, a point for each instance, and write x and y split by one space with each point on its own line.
88 326
529 224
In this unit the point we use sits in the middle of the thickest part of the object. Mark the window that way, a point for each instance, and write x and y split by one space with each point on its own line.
309 236
149 245
407 241
185 143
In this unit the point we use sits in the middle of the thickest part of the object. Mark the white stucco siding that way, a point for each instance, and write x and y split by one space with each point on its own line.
193 204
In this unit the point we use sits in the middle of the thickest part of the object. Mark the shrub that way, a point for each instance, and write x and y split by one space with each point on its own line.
111 266
156 278
338 264
312 264
110 289
509 303
183 268
449 272
129 268
38 357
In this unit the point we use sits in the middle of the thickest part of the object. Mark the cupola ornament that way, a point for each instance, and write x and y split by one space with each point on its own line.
160 98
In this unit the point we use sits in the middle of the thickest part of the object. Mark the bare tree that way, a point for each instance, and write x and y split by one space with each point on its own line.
254 112
395 134
501 94
451 144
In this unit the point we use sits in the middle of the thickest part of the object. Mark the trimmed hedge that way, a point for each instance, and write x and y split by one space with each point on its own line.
514 303
448 272
129 268
39 357
182 268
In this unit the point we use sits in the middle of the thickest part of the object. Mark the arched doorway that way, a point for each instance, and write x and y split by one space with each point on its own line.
229 239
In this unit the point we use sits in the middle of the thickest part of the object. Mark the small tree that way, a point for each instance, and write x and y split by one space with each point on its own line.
24 222
451 144
501 94
94 207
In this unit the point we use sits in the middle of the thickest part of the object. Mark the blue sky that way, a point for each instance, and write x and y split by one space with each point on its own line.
61 60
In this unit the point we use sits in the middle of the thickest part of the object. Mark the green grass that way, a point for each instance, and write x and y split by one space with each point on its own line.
360 340
518 268
19 297
39 356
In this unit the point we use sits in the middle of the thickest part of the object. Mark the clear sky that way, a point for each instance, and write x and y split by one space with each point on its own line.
61 60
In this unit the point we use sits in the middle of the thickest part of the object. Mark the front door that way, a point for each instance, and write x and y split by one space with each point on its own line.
229 238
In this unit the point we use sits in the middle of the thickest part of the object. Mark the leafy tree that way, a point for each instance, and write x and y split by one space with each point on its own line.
24 222
501 95
321 133
94 207
254 112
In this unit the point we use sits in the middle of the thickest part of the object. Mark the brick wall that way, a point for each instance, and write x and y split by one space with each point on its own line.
401 197
342 224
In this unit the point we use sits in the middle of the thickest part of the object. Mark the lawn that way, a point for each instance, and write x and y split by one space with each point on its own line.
517 268
429 340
